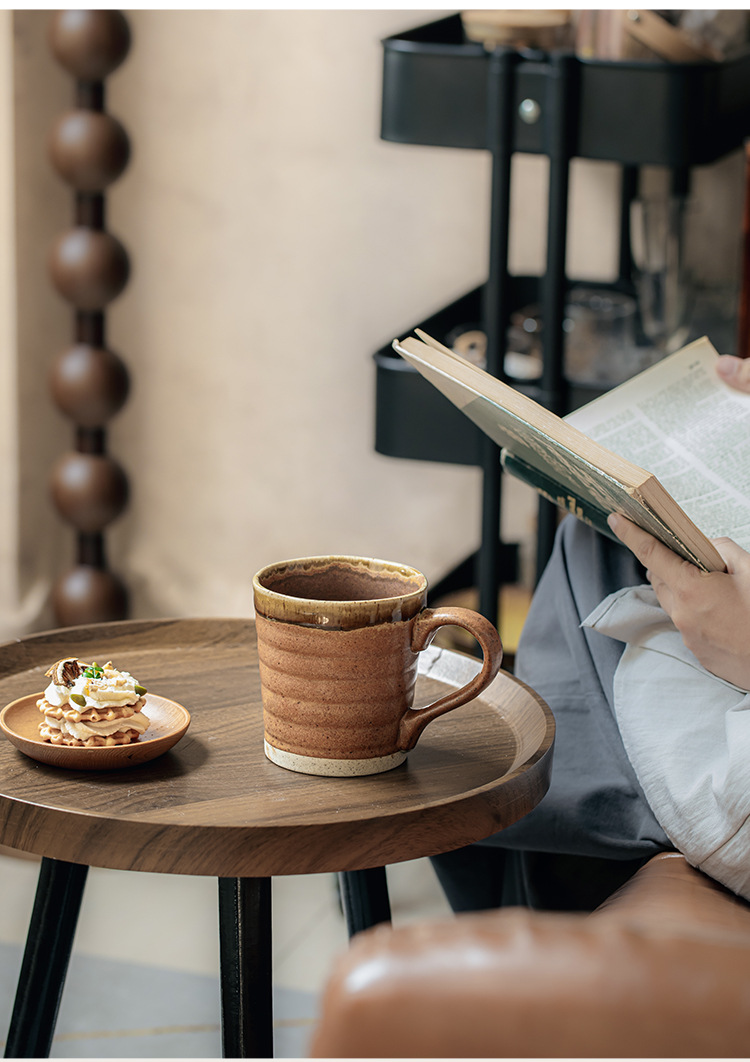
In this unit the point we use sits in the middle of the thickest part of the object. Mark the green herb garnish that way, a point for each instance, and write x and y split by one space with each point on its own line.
94 671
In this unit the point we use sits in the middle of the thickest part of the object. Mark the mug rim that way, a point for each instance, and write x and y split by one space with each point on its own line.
392 566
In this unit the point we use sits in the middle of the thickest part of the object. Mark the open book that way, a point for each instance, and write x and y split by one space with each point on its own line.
677 419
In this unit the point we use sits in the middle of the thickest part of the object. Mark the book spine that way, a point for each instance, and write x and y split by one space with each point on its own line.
589 513
549 489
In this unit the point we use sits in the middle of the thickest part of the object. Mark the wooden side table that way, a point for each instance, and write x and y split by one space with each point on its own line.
214 805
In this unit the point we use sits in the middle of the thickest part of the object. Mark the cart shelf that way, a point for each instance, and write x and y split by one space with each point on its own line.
435 92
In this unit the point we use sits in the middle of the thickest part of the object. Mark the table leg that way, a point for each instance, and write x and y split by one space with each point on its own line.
246 970
54 917
364 895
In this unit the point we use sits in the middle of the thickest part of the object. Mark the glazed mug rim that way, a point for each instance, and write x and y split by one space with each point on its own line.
393 567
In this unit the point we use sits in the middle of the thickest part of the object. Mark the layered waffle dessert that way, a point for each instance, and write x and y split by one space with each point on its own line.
91 705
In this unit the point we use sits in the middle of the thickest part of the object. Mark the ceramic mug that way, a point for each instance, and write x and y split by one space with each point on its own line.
338 646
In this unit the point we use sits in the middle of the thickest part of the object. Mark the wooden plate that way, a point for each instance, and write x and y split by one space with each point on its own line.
19 721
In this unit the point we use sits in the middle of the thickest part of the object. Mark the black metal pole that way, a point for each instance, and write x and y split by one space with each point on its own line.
680 182
558 106
628 192
496 308
49 944
364 897
246 967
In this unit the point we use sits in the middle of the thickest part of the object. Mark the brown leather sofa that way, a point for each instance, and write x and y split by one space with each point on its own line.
661 969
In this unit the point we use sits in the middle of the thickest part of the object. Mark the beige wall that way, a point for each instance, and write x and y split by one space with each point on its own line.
42 208
276 243
8 405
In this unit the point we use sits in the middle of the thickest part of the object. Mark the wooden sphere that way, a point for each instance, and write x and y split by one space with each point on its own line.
88 267
89 490
89 44
89 384
88 149
89 595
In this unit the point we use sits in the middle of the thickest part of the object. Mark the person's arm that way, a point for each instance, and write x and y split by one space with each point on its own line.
710 610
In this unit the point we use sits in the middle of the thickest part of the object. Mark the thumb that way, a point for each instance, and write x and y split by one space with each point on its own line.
734 371
734 556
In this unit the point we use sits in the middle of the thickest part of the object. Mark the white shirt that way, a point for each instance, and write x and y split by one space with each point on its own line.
687 735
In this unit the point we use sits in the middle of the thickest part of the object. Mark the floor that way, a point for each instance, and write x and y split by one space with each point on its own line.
143 979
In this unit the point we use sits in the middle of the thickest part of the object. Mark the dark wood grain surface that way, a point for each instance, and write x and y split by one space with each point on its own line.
215 805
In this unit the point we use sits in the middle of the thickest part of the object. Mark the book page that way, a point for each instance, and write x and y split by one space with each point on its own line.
687 427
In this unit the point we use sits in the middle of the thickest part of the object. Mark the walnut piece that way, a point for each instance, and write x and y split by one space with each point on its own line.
65 672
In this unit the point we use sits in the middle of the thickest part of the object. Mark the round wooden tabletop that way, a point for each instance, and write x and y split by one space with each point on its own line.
214 805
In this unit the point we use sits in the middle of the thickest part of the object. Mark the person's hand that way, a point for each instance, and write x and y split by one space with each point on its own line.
711 610
734 371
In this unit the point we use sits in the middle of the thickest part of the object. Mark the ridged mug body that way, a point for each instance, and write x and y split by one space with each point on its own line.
335 694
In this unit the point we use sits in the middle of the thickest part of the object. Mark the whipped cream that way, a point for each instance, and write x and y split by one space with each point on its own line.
100 686
82 731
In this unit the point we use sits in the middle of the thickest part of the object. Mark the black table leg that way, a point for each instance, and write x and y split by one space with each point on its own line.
246 970
59 893
364 896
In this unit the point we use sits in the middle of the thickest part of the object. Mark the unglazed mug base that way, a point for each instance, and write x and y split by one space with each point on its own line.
332 768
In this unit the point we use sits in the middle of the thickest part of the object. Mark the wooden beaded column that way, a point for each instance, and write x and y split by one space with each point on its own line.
89 267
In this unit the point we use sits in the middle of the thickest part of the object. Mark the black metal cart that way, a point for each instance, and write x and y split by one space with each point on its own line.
442 90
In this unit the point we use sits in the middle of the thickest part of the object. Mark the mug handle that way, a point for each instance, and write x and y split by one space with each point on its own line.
426 625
